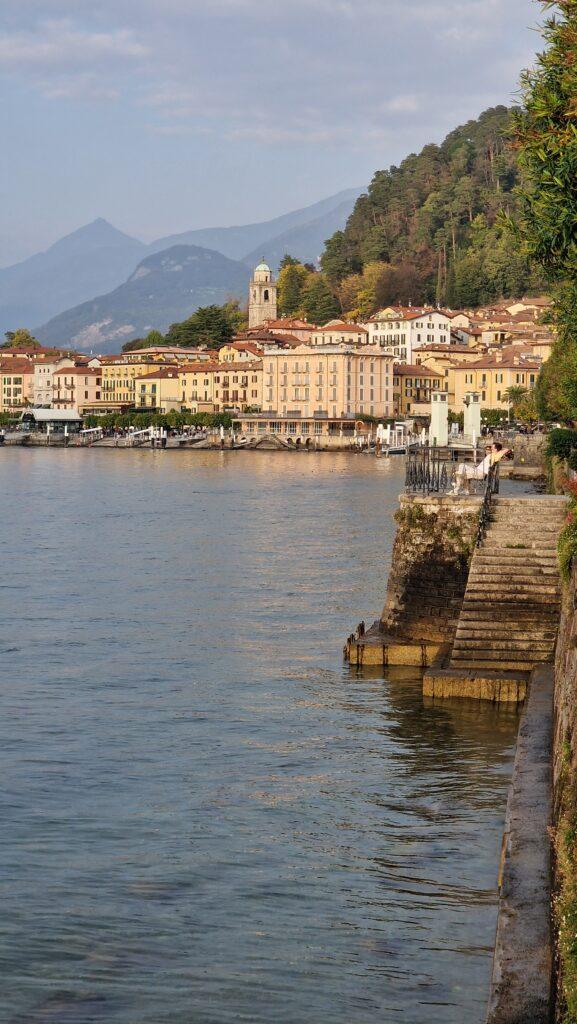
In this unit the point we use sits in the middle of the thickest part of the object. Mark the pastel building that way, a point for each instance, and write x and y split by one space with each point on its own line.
16 384
412 388
491 377
77 387
160 390
332 381
220 387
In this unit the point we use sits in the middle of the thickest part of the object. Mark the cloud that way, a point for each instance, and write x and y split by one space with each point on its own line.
405 103
78 87
58 44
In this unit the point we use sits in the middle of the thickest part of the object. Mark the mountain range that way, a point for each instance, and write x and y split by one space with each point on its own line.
165 287
80 291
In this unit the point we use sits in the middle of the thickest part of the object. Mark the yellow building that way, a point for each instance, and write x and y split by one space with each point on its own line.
492 376
119 376
16 384
160 390
219 387
331 380
412 386
166 354
443 358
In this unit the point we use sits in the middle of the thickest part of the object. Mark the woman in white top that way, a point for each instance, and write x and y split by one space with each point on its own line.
467 471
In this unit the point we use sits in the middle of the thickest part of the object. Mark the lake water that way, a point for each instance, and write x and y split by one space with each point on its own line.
205 818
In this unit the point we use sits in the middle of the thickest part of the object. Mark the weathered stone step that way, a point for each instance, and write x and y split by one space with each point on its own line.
516 532
513 616
535 548
478 666
531 501
548 572
485 556
462 644
521 535
511 594
488 657
526 631
546 518
521 573
535 513
546 530
526 584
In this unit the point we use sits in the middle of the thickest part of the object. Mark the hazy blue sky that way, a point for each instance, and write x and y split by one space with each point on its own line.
164 115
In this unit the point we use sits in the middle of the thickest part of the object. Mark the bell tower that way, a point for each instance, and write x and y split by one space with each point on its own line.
262 296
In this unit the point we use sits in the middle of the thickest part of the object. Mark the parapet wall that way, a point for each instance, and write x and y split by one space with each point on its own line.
565 741
565 802
430 566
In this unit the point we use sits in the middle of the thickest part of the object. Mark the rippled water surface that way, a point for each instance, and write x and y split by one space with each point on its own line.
205 818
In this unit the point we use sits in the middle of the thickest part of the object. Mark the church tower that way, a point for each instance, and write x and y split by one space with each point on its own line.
261 297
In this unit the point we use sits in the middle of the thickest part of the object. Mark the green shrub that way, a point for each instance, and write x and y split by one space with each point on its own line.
561 443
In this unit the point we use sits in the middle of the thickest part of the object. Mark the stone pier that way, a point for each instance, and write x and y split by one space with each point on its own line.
430 567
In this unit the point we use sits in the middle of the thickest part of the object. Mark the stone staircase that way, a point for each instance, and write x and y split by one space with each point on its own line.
510 614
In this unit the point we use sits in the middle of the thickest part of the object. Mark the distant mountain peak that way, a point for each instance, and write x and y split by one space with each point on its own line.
98 232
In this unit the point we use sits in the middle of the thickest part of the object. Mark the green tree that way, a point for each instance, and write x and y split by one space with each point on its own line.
546 134
424 214
339 257
212 326
288 261
20 338
153 338
291 281
319 304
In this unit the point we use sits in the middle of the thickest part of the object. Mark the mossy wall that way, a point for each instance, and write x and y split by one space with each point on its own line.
565 805
430 566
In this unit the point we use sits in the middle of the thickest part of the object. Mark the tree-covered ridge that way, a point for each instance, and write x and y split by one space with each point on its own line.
546 136
431 229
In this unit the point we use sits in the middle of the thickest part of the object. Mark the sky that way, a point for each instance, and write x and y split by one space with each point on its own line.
168 115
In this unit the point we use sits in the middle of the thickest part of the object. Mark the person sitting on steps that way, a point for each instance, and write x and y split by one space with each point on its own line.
466 472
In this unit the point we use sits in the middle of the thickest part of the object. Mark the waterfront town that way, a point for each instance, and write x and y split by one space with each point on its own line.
288 371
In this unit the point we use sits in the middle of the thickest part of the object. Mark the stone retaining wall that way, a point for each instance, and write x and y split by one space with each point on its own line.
565 801
430 566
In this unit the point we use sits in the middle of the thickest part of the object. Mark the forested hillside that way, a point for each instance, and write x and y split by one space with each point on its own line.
431 230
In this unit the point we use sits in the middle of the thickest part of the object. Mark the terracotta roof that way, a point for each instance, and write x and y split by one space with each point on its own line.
411 313
341 327
84 371
245 346
242 367
410 370
288 323
494 363
163 373
447 349
16 366
288 339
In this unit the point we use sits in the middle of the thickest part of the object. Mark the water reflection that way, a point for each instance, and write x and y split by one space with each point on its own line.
207 818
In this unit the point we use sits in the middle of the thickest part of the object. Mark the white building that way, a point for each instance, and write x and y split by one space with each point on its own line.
400 331
337 332
44 369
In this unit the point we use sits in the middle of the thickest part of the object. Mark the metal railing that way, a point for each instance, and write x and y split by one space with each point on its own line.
427 471
491 488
